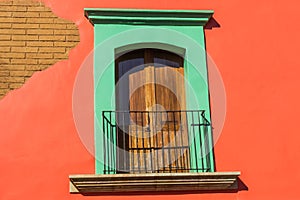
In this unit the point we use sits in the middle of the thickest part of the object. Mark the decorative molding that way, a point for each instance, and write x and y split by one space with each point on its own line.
148 17
153 182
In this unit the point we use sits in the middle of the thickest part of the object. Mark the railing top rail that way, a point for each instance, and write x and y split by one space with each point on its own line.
110 112
145 111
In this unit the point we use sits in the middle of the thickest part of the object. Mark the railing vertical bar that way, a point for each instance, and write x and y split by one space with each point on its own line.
209 134
207 148
143 143
124 131
112 147
207 141
163 144
169 141
152 129
108 149
194 141
188 156
131 152
118 141
137 141
175 140
201 147
156 143
181 141
104 142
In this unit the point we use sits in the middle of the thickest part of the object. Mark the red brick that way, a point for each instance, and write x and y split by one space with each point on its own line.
39 55
5 2
52 38
53 26
60 55
65 32
72 38
5 14
5 25
60 21
39 20
65 44
21 73
39 44
12 43
3 92
12 20
52 50
38 8
12 31
25 37
25 26
5 37
4 73
12 8
33 67
24 49
15 79
71 26
3 85
47 14
4 61
25 14
23 61
16 85
39 32
15 67
12 55
48 61
25 3
4 49
43 67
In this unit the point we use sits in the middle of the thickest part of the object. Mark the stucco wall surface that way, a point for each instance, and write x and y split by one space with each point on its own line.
256 50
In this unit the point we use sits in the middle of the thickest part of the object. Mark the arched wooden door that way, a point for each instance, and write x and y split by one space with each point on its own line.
152 134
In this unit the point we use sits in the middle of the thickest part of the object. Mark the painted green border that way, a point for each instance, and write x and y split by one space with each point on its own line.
148 17
109 36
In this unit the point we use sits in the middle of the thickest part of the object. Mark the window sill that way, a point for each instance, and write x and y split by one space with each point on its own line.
100 183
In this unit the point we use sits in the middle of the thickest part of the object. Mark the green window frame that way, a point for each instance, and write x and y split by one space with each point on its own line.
177 31
117 30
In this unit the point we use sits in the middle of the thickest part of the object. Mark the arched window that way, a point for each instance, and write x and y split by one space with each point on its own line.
151 114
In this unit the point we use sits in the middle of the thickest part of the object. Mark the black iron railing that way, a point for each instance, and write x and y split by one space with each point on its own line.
156 141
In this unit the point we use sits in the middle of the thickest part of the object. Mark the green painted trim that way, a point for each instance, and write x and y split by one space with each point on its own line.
148 17
112 37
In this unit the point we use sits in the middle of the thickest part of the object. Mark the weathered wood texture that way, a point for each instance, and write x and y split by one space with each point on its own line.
156 137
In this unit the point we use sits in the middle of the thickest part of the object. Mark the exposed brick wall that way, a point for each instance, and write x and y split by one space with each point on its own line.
32 38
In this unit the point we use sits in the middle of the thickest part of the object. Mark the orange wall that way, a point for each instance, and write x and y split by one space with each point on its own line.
256 49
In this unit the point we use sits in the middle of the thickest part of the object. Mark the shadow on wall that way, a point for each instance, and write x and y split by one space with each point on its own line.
212 23
241 187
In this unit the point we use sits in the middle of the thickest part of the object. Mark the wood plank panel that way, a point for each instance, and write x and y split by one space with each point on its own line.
157 140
